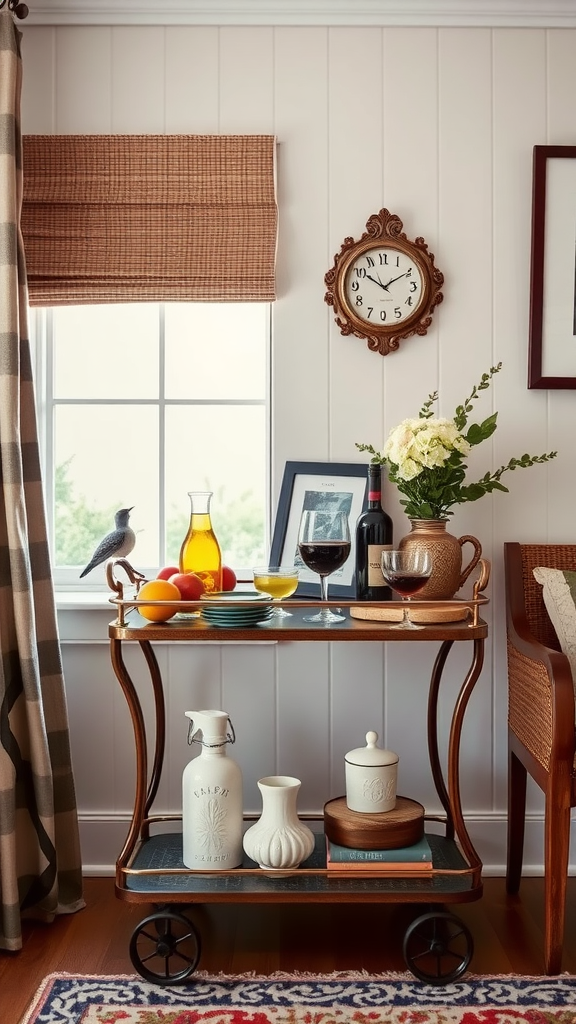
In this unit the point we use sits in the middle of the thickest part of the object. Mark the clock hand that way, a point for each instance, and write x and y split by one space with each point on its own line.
391 281
379 282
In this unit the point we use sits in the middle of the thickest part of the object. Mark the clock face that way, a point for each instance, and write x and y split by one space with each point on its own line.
384 287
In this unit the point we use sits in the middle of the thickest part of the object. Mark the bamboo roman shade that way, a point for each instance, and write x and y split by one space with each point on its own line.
138 218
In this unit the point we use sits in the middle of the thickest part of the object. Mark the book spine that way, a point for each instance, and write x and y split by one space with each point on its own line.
380 871
419 853
398 867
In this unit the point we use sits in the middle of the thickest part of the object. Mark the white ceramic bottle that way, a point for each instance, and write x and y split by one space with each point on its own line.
211 797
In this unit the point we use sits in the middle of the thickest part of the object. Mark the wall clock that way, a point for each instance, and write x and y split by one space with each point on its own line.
383 287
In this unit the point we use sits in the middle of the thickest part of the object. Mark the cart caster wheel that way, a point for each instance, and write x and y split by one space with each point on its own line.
165 948
438 948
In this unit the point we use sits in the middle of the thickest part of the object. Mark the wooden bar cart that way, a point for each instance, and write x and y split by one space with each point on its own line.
166 946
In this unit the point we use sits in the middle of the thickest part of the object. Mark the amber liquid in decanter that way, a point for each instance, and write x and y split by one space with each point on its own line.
200 552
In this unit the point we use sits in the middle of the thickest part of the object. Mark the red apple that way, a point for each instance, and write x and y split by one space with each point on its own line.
228 578
167 571
189 584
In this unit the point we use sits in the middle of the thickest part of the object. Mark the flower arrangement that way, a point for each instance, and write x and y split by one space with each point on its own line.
426 457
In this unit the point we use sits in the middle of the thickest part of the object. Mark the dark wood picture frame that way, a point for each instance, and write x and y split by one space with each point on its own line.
319 479
551 253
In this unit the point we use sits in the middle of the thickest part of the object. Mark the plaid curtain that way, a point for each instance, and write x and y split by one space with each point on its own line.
40 864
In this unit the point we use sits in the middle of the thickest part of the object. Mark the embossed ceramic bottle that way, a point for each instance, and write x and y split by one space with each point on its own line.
200 552
211 796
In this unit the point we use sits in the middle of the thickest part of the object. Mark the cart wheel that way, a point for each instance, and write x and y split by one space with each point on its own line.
438 948
165 948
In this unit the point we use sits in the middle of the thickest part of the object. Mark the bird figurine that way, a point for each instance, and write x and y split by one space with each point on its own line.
115 544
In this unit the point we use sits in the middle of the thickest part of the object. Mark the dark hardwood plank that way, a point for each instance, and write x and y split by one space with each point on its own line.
507 932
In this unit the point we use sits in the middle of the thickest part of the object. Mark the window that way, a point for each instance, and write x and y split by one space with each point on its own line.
141 403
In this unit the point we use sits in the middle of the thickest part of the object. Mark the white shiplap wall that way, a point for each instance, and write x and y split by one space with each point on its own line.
438 125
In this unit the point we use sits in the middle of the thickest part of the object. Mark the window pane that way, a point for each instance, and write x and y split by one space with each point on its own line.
216 351
105 458
220 449
106 351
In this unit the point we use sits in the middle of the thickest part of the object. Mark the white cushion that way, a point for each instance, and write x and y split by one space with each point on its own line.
559 593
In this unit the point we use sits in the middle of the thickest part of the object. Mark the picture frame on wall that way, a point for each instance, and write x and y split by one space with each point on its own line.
318 485
552 339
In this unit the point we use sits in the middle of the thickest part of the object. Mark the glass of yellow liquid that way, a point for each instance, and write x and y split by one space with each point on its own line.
279 581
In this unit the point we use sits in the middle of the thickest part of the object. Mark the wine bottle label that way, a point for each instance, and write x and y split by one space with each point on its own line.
375 577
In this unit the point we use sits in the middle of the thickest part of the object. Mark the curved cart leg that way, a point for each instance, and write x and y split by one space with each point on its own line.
438 948
165 947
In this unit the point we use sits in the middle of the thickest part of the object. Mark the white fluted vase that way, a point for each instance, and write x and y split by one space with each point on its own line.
279 840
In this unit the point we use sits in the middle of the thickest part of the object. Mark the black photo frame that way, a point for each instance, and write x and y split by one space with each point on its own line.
552 340
308 485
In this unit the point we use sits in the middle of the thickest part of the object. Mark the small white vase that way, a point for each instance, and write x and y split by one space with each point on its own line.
279 840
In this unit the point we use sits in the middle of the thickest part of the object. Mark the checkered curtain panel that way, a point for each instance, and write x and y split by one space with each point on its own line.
40 865
149 218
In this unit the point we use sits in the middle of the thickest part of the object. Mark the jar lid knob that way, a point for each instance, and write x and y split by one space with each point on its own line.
371 739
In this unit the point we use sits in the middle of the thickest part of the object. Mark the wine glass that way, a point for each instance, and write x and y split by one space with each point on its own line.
407 572
279 581
324 546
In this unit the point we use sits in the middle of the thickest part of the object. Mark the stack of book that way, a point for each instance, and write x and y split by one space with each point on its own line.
413 861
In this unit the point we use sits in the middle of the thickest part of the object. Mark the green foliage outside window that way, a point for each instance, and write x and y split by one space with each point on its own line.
238 524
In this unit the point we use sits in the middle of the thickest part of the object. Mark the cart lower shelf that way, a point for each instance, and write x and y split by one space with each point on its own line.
158 874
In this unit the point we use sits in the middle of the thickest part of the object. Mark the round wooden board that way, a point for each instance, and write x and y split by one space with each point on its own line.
442 613
386 830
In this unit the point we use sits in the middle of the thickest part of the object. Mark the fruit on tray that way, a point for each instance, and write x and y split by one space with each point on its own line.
158 590
229 578
190 585
167 571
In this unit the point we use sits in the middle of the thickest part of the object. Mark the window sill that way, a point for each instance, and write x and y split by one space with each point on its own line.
90 601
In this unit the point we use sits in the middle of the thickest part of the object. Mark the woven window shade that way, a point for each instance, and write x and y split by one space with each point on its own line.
139 218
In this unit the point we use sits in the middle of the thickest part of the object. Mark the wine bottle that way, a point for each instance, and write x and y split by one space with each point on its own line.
373 535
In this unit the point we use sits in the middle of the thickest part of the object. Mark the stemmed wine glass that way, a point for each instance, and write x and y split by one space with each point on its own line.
324 546
407 572
279 581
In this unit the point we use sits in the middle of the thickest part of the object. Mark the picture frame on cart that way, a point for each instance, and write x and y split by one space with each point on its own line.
323 486
552 339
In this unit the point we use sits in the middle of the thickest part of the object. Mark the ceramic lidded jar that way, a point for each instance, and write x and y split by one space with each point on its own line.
371 777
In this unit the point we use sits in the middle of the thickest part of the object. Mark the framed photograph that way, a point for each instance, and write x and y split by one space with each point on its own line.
324 486
552 343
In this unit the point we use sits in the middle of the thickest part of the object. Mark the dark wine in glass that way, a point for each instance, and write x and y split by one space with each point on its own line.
324 546
407 572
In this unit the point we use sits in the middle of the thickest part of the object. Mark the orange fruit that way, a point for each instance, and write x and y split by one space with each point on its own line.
158 590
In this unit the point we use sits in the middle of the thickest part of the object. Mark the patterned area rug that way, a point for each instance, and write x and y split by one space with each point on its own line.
304 999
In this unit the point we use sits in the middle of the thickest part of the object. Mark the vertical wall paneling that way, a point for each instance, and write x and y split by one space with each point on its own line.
84 82
519 68
560 130
192 84
354 179
138 80
300 357
246 80
38 80
438 125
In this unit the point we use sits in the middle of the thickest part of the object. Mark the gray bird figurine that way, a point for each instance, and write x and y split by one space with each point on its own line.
116 544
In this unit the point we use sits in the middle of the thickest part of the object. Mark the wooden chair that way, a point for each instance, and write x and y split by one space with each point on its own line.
541 730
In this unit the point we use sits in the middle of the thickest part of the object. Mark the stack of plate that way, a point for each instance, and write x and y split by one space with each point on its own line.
223 609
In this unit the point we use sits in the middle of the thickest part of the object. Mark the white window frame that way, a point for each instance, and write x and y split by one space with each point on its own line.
41 342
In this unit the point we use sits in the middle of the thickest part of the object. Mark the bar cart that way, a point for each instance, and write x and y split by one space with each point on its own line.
165 947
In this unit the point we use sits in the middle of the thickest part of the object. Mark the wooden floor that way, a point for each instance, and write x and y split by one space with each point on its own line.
507 934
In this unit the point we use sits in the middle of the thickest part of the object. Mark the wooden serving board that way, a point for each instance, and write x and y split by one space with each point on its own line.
385 830
441 613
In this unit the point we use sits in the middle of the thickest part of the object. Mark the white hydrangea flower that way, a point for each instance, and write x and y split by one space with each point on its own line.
418 444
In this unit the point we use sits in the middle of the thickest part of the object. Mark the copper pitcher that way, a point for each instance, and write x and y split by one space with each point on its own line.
448 573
